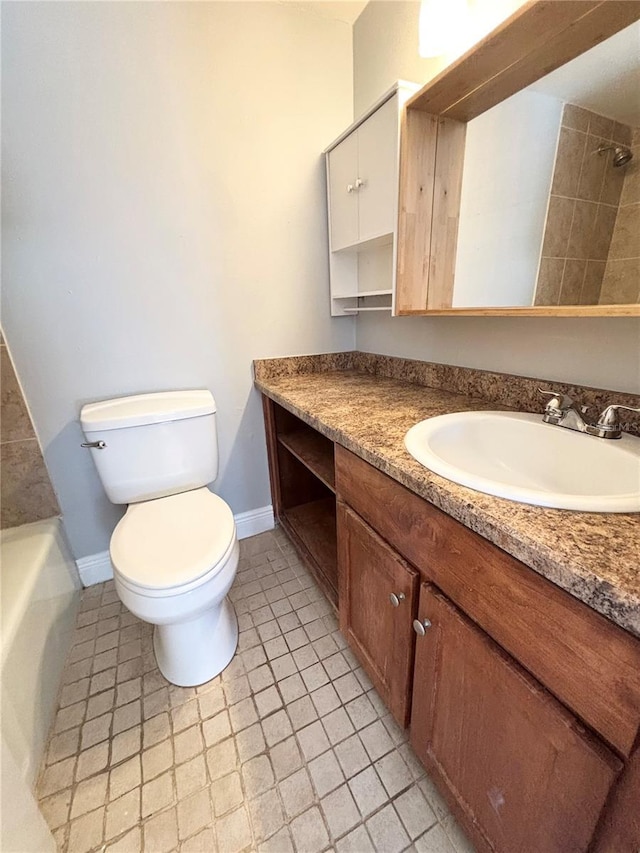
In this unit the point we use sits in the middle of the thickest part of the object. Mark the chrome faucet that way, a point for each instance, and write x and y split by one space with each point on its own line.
562 411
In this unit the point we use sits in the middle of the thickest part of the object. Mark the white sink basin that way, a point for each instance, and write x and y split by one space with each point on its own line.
516 456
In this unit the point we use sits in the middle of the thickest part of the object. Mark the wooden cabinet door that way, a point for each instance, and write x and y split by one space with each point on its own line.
519 770
378 169
380 633
343 203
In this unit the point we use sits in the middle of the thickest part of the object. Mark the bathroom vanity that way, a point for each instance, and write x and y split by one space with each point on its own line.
505 636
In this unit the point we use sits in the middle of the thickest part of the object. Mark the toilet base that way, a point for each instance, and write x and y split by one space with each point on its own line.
192 653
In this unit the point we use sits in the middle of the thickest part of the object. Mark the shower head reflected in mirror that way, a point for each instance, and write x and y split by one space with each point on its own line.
621 154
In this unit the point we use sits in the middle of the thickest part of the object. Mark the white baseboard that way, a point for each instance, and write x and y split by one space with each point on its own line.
255 521
97 568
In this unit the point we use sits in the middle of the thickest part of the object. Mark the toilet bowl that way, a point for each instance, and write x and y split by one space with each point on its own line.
174 561
175 552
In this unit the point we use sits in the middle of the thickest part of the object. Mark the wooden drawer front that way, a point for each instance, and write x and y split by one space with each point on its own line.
590 664
380 633
523 773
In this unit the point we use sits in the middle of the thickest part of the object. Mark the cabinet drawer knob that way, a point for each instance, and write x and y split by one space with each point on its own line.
420 626
360 183
350 188
396 599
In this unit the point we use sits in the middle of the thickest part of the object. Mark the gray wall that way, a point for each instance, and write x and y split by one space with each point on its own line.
600 352
164 218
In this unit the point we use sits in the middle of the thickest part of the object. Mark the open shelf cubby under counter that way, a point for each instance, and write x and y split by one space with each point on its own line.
313 450
314 524
301 463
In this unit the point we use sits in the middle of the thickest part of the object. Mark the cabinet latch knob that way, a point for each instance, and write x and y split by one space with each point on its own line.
420 626
396 599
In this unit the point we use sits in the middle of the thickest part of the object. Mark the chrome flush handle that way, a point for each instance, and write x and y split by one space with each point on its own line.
97 445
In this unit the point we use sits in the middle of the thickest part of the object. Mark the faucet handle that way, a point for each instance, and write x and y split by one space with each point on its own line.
559 402
608 420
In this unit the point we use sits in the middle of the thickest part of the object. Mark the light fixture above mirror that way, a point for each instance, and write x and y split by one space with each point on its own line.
449 27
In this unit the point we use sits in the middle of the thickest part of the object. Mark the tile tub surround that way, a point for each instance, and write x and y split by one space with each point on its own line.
27 493
290 748
593 556
583 206
622 275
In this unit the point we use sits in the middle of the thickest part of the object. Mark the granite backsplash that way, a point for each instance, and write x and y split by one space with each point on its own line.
504 389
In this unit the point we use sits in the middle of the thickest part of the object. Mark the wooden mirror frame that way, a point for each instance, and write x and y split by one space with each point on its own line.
538 38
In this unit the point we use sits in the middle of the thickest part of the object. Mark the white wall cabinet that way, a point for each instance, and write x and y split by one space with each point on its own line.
344 191
362 182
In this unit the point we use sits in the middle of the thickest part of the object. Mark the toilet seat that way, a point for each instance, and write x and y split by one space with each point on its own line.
173 544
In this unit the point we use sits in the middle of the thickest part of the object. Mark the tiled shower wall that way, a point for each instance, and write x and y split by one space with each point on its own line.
622 275
27 493
583 208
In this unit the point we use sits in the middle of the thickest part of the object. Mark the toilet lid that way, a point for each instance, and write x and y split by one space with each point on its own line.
172 541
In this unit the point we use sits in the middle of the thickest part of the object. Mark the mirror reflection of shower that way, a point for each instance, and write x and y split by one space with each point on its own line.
621 154
590 249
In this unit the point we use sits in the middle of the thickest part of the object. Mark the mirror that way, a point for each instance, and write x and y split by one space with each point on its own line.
550 206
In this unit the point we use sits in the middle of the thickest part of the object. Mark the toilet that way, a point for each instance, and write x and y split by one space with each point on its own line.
175 551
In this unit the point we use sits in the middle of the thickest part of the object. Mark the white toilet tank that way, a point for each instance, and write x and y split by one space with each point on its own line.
154 444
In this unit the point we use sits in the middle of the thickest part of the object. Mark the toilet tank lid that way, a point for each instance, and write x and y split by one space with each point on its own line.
146 409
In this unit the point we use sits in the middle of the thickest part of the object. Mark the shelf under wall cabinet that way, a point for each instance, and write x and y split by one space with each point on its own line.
363 293
374 308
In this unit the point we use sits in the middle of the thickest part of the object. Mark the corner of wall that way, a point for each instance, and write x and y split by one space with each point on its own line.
27 493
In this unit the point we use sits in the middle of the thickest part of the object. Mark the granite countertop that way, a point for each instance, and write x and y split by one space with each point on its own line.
593 556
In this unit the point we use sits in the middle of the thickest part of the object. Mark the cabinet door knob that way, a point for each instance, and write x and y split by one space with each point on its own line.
350 188
360 183
420 627
396 599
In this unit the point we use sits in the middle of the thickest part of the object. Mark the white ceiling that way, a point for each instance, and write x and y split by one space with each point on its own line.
339 10
605 79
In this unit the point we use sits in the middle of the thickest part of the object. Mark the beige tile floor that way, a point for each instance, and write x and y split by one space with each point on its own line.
289 749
